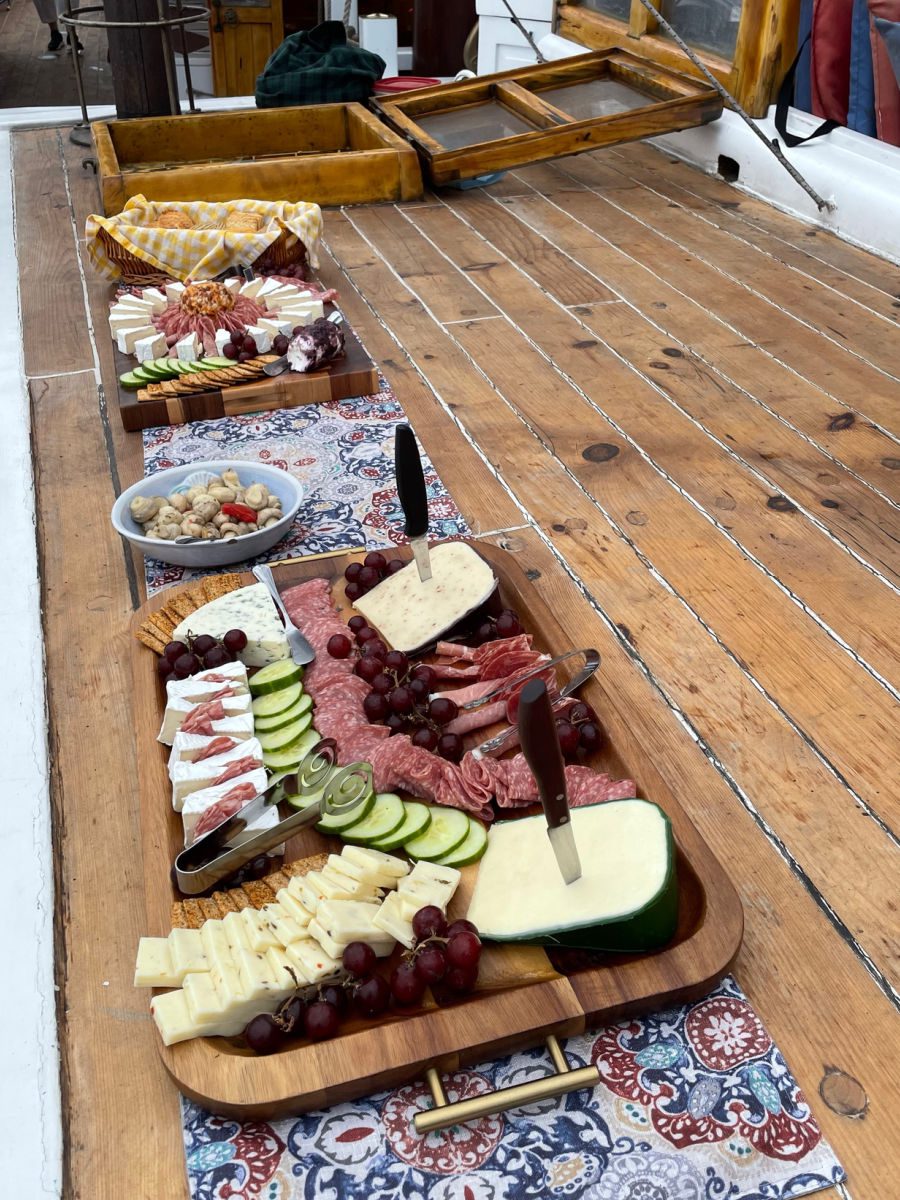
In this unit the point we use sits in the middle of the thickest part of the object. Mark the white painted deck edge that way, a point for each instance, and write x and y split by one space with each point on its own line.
30 1109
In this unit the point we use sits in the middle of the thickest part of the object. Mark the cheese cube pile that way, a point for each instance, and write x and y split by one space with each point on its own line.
230 970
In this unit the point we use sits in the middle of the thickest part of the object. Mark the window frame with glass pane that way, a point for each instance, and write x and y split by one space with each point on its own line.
765 43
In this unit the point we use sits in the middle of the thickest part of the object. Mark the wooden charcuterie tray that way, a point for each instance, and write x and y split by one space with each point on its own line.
521 997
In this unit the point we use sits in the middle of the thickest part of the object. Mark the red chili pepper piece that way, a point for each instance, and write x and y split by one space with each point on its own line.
240 512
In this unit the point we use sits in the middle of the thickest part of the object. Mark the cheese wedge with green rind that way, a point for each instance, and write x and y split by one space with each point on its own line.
626 898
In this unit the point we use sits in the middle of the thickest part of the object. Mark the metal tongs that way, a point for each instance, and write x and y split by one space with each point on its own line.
492 745
329 792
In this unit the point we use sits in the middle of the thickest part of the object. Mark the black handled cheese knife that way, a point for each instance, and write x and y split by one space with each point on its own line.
540 745
413 497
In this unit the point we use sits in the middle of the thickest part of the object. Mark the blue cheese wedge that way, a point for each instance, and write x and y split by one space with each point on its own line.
409 613
188 777
250 609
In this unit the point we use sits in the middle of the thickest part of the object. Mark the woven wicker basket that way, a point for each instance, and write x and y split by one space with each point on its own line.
286 250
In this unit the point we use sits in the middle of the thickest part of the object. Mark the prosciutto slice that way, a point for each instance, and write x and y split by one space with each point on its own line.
231 803
217 746
199 719
240 766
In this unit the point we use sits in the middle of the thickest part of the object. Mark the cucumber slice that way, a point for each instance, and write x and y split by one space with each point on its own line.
155 372
448 829
290 757
146 376
416 821
216 364
195 365
469 850
275 676
277 739
387 815
161 364
268 704
179 367
132 380
279 720
338 822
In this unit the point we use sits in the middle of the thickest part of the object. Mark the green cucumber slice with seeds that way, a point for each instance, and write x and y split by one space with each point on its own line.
415 822
268 703
289 758
469 850
277 739
386 815
280 719
132 380
275 676
448 829
216 364
338 822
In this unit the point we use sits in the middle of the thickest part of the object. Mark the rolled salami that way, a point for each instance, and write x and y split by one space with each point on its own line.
315 346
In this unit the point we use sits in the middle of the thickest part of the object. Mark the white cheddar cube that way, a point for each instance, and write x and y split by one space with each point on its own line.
348 920
389 864
128 337
299 967
154 967
189 348
343 867
448 877
262 337
293 907
237 932
425 891
358 889
227 981
260 978
174 292
173 1018
186 948
149 348
223 338
204 1003
285 928
318 966
259 933
382 945
286 977
390 919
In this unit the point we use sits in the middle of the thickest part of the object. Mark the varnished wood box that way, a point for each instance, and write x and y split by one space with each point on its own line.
328 154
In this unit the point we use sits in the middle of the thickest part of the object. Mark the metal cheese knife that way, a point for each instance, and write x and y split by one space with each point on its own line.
301 651
540 745
413 497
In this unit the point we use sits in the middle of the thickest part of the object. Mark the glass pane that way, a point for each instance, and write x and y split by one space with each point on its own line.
598 98
467 126
707 24
609 8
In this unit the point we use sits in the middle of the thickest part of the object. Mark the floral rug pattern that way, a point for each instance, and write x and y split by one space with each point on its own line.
342 453
695 1103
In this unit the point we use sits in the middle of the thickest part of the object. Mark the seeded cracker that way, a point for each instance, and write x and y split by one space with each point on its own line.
193 913
225 901
150 639
259 892
220 585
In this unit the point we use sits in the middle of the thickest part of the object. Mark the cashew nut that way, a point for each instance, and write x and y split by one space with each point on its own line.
145 508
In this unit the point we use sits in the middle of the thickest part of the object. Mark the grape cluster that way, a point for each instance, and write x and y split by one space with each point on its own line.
399 696
507 624
579 730
202 653
362 577
443 954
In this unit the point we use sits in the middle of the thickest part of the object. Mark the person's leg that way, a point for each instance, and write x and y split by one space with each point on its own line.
46 11
72 34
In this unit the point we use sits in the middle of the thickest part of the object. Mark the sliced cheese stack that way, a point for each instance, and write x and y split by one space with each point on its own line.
249 962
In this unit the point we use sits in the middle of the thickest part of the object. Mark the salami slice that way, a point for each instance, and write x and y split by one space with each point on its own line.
201 716
240 766
231 803
218 745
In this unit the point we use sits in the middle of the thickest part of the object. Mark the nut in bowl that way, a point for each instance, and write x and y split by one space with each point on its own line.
235 510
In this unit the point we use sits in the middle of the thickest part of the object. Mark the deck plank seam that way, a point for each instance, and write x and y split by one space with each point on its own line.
862 804
842 345
695 353
861 662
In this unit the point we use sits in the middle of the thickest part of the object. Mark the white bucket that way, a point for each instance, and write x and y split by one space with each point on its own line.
201 74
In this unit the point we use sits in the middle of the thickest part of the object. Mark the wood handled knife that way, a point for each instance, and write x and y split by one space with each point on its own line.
540 745
413 497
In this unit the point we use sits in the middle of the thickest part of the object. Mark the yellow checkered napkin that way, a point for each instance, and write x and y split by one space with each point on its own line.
207 249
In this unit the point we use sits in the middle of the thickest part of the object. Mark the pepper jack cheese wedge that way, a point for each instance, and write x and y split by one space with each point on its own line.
626 898
409 613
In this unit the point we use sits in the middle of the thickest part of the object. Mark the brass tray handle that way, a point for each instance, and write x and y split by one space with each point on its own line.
563 1080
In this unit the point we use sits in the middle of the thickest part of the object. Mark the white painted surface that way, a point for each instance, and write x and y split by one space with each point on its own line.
31 1160
503 47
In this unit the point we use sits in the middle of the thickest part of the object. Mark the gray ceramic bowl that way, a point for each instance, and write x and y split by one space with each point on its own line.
209 554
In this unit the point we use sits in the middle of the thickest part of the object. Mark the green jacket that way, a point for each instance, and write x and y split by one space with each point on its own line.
318 67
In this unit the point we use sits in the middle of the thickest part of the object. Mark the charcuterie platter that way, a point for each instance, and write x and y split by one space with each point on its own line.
397 861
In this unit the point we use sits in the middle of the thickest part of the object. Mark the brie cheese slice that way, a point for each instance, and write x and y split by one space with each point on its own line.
196 804
178 708
191 777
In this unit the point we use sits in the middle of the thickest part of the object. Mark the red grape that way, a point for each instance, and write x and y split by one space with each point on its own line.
174 650
429 921
375 706
458 979
368 577
353 591
590 736
407 986
425 673
235 640
359 959
568 737
376 560
217 657
382 684
187 664
394 722
396 660
418 689
280 344
375 648
508 624
450 747
249 345
368 668
351 572
486 632
164 669
230 350
339 645
460 926
355 624
464 950
395 565
336 996
373 995
443 710
244 356
401 700
263 1034
237 337
425 737
298 329
321 1021
431 963
365 633
580 712
290 1015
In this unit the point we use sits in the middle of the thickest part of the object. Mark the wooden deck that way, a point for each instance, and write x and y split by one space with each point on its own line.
30 78
678 407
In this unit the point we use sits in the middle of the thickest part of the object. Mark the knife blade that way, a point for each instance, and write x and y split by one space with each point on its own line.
540 745
413 497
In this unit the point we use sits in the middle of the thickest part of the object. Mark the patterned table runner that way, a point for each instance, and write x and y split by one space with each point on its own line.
696 1103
